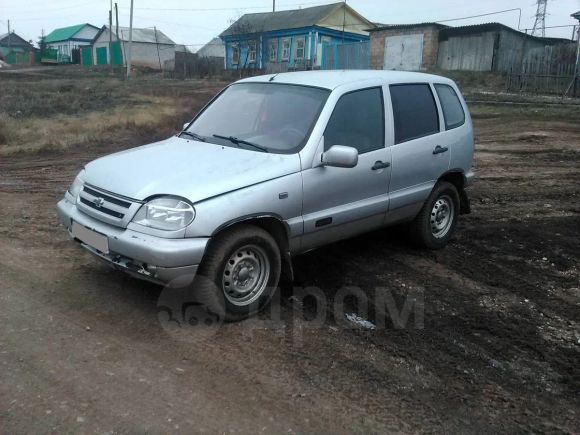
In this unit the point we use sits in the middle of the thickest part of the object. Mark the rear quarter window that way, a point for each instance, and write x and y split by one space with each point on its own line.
414 111
452 108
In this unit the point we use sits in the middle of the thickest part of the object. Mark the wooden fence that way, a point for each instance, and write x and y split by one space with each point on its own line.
546 71
190 65
532 81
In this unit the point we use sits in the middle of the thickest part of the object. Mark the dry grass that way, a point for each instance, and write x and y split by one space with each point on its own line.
158 117
38 115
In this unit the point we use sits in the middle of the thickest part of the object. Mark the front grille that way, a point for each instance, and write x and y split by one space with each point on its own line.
102 209
107 206
107 198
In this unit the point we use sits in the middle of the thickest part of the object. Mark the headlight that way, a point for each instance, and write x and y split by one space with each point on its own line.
165 213
77 185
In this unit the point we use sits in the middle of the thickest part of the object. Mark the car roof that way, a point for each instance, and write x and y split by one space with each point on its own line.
333 79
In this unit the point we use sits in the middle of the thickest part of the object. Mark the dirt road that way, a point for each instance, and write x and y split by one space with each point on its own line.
82 348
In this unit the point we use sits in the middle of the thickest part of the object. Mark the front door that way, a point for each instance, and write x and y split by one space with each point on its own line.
341 202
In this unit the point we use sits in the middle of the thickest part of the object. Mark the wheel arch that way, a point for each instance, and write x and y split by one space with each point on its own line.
277 228
457 178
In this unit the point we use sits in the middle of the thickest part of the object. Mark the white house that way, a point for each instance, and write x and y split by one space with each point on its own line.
66 39
151 48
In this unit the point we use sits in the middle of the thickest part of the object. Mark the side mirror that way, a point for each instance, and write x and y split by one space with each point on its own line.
340 156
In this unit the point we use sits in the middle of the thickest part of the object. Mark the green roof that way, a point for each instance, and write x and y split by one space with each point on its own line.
64 33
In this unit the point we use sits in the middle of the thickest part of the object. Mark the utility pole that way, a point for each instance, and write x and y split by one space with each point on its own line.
273 5
9 41
157 44
343 20
117 21
111 36
574 83
130 42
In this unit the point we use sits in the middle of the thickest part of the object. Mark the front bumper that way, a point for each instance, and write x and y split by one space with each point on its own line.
172 262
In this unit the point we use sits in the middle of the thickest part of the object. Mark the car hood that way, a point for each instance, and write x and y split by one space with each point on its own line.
190 169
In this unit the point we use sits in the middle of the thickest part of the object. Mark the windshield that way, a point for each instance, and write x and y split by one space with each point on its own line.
267 117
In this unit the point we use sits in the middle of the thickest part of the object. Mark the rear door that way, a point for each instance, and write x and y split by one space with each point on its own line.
341 202
420 153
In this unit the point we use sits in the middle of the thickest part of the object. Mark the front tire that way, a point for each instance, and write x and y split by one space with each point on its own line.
437 220
239 274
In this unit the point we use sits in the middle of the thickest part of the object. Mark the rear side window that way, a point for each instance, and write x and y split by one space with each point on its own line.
414 111
357 121
452 109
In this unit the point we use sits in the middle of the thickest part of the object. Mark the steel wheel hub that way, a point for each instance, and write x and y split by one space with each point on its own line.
246 275
442 215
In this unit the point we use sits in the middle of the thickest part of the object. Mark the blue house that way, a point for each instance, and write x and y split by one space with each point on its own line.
295 39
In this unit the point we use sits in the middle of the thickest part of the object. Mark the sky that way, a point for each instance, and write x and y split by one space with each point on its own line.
195 22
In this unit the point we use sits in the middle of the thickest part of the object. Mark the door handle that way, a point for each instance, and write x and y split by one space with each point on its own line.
439 149
380 165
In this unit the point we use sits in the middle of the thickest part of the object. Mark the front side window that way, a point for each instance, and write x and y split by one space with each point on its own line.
414 111
452 108
273 50
274 116
235 54
252 51
357 121
286 49
299 48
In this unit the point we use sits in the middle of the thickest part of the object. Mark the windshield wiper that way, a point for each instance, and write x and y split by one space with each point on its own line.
193 136
237 141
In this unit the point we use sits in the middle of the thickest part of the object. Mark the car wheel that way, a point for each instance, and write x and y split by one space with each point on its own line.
436 222
239 274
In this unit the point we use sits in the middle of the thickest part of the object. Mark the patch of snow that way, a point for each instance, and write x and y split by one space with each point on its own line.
359 321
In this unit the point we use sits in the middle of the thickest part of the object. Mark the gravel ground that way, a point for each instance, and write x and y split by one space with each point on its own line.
491 344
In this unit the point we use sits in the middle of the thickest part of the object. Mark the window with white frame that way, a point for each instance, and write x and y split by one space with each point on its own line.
299 53
235 54
252 51
273 50
286 42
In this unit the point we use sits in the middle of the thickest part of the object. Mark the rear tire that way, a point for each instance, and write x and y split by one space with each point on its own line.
437 220
239 273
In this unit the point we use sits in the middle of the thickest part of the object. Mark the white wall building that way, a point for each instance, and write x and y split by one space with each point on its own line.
151 48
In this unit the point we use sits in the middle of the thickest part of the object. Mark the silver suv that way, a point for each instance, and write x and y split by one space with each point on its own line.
272 167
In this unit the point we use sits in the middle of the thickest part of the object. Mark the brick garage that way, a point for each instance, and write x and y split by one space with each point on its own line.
412 33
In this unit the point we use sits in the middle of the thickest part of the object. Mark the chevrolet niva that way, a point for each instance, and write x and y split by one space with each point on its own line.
272 167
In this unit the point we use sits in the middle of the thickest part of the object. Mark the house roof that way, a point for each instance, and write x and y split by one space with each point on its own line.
214 48
151 36
576 15
15 40
406 26
292 19
65 33
492 27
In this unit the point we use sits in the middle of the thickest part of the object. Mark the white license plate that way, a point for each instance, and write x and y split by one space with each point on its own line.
90 237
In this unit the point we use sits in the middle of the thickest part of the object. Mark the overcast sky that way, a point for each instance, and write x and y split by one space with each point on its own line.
198 21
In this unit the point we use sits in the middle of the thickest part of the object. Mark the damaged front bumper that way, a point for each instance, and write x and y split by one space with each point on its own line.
171 262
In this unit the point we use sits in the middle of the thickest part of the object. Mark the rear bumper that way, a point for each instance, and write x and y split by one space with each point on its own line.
469 177
171 262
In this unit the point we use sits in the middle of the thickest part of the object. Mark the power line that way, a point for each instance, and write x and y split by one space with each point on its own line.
484 15
228 9
66 7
